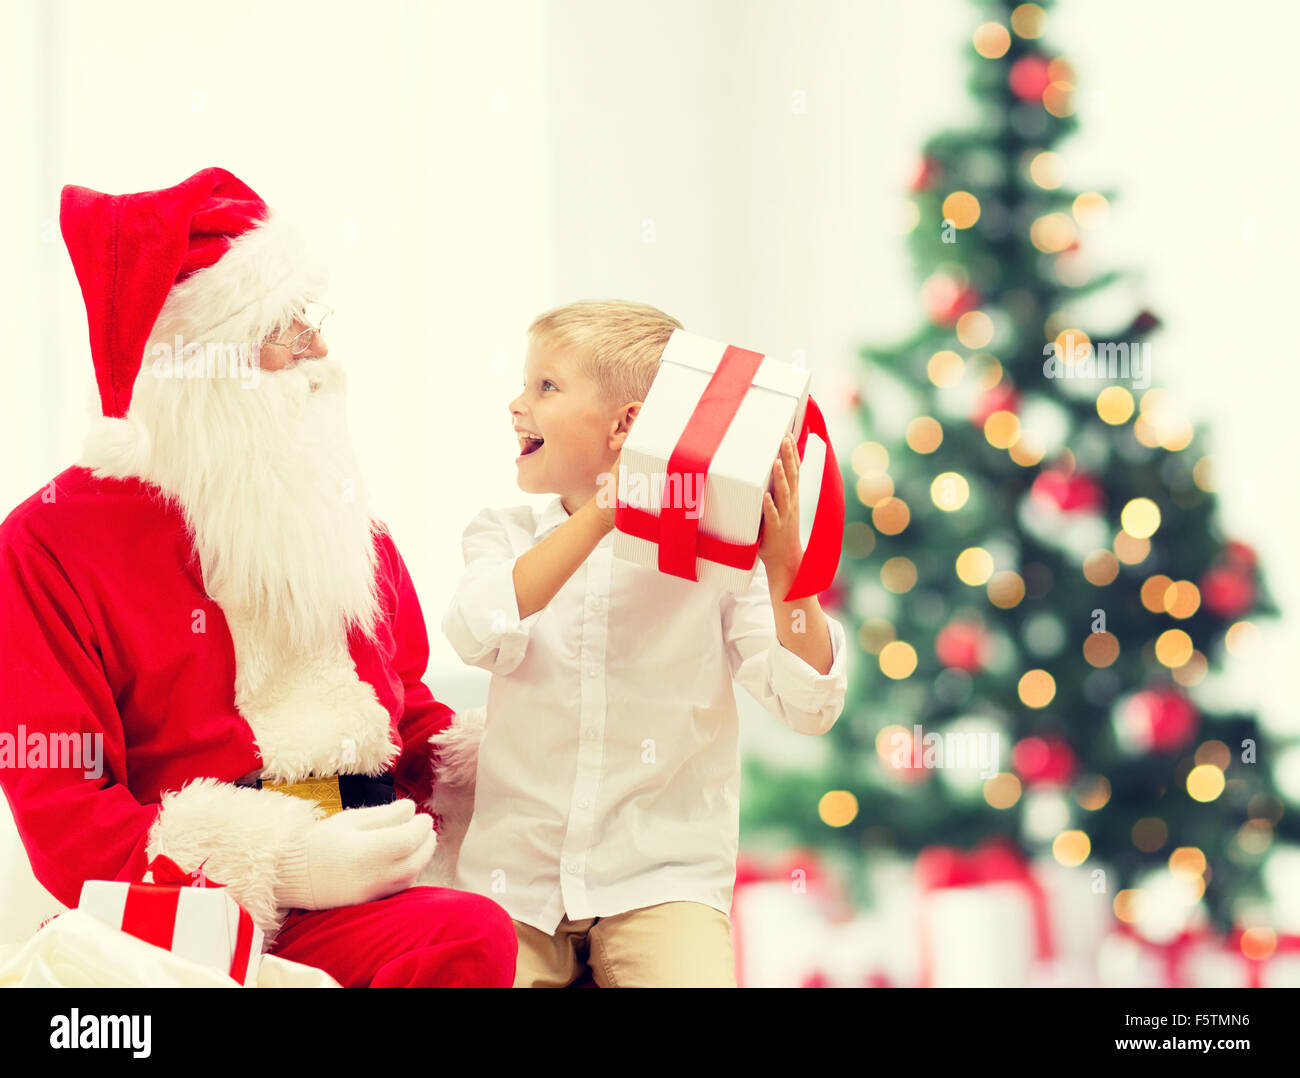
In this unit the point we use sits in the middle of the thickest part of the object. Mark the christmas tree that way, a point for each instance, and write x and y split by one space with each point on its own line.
1033 564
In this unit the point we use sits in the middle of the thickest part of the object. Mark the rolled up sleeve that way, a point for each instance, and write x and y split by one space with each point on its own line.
482 620
806 701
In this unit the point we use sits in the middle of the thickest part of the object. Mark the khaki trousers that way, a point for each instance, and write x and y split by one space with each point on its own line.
671 945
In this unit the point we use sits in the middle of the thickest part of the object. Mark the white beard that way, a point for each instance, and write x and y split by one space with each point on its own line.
267 479
270 489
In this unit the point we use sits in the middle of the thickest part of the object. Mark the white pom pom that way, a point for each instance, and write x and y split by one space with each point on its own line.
115 447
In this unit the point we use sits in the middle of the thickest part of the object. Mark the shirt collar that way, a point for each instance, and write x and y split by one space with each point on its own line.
550 517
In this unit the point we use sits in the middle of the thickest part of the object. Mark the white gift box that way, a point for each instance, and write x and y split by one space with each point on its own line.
730 505
201 924
980 936
778 935
988 919
1080 914
1219 964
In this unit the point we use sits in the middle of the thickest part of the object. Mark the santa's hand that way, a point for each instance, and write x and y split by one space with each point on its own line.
357 855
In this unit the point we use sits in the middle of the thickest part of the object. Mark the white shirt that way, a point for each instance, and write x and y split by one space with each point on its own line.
609 770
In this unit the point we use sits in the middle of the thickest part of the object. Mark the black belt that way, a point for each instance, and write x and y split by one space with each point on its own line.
355 791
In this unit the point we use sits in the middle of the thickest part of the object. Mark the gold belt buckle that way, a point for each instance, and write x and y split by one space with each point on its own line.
324 791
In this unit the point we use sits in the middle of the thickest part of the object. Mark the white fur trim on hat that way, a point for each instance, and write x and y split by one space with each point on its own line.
257 286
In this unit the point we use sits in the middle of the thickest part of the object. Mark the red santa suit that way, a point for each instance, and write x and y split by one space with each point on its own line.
108 630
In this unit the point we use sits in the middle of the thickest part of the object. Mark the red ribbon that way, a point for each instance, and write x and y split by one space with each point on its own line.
676 532
150 912
693 454
165 870
1172 953
995 861
1286 944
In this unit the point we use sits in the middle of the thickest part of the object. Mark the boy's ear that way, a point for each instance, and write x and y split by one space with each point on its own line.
623 424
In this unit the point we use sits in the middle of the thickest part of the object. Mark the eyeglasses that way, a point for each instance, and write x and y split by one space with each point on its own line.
315 316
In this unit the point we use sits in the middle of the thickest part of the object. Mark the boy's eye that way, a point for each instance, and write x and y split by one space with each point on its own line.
547 382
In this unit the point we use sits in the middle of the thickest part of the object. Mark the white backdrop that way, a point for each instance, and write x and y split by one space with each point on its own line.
469 165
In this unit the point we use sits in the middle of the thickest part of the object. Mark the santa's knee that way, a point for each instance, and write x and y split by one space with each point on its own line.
467 931
489 940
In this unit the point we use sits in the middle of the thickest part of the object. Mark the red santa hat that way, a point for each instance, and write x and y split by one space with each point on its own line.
205 260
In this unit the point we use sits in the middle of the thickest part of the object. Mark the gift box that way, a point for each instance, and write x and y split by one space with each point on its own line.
698 460
984 920
181 912
1245 960
781 920
855 953
1080 914
1128 959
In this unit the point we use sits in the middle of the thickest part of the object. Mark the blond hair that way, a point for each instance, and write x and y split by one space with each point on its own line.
616 342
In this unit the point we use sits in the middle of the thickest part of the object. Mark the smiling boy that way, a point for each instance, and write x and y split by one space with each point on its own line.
606 813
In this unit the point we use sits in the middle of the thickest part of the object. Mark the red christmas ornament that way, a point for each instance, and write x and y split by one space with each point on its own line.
831 599
962 646
1043 761
946 299
927 172
1227 591
1003 397
1071 492
847 392
1241 555
1029 77
1162 720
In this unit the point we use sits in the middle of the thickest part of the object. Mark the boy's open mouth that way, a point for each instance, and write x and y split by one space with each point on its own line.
529 443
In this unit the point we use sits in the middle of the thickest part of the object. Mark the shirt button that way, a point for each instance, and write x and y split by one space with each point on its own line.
591 670
584 803
571 868
597 603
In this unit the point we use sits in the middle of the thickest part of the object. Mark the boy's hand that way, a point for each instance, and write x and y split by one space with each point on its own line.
778 544
800 624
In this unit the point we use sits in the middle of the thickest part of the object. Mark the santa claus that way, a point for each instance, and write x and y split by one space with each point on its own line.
208 598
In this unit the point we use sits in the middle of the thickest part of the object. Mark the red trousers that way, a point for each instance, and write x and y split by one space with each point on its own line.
423 937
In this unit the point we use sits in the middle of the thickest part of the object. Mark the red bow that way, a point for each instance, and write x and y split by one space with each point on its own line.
150 911
165 870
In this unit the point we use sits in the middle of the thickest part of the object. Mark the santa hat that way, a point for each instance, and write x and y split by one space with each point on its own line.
205 259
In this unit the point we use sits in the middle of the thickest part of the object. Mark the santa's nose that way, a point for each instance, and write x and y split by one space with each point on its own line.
319 349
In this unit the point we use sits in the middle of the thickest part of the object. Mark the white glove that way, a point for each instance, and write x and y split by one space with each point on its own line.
357 855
